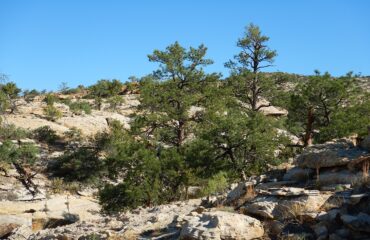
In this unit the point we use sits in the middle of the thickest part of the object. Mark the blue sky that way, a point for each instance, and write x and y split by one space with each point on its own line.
44 43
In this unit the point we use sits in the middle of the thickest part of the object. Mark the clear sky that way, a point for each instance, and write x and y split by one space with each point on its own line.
44 43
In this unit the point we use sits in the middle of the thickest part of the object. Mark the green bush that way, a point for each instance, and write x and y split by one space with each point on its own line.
216 184
79 107
58 185
52 113
10 131
45 134
115 101
106 88
82 165
23 154
50 99
29 95
73 134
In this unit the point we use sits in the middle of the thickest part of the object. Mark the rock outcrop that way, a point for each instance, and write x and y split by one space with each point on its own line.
221 225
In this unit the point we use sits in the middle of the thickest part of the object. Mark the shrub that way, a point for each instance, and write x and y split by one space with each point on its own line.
115 101
10 131
52 113
79 107
58 185
106 88
30 95
45 134
216 184
50 99
73 134
82 165
23 154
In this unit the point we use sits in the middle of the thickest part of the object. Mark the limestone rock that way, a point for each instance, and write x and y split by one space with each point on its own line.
6 229
222 225
330 154
239 191
298 174
283 207
339 177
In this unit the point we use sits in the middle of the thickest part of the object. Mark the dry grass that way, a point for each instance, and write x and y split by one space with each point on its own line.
294 212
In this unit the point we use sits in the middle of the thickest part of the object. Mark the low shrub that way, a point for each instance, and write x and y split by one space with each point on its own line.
79 107
10 131
45 134
52 113
82 165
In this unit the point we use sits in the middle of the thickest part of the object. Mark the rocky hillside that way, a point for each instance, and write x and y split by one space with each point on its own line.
323 194
30 115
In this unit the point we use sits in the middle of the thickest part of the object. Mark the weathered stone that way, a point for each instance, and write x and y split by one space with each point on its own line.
241 190
339 177
298 174
361 222
6 229
262 206
365 144
222 225
330 154
277 207
288 191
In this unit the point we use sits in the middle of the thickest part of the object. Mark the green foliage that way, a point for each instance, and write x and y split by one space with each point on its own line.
115 101
350 120
50 99
98 102
236 142
73 134
248 84
167 97
106 88
23 154
45 134
63 87
29 95
188 131
79 107
52 113
151 175
314 103
8 93
10 89
216 184
11 132
4 102
58 185
82 165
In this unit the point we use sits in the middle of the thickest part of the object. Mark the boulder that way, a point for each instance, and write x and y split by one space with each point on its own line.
365 144
6 229
360 222
339 177
264 207
330 154
298 174
241 190
221 225
283 207
288 191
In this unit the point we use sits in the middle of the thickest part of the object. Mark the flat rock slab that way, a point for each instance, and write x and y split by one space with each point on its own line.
331 154
222 225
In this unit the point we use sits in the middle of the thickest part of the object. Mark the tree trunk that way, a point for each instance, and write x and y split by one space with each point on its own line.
180 133
307 141
254 92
